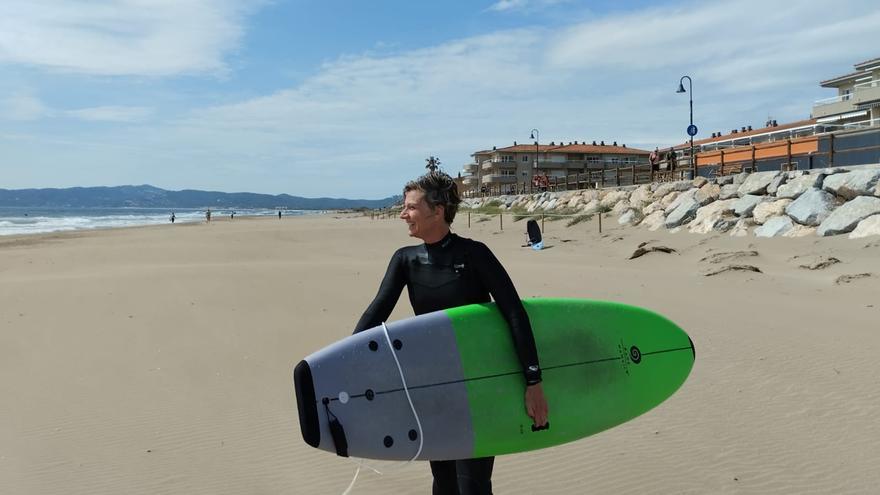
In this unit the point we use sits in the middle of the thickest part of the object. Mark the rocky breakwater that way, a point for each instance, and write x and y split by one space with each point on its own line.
822 202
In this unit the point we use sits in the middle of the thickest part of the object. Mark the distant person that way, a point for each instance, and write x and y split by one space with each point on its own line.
654 158
208 215
172 217
232 215
279 214
670 159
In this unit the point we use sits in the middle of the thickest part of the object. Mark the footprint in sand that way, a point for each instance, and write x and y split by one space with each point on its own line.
845 279
729 256
734 268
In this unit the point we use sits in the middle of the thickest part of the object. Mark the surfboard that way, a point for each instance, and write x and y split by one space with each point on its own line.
604 363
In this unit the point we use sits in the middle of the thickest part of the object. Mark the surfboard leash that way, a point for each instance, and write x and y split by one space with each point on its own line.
412 407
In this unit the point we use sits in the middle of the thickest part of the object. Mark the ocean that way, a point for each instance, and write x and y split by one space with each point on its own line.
22 220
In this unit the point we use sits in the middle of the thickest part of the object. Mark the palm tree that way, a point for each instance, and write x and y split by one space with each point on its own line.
433 163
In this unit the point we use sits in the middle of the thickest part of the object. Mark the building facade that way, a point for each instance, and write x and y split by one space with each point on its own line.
857 100
523 167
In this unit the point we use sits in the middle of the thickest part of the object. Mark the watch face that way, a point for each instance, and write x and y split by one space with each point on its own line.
533 368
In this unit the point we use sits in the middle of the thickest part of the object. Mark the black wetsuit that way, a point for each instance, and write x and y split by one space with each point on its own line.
454 272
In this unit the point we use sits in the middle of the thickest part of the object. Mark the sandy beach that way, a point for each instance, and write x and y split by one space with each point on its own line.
158 360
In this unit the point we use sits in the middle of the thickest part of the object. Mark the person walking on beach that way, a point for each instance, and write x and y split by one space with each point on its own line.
279 214
444 272
172 217
208 215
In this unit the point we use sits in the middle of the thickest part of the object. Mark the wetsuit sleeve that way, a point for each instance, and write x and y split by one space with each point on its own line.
389 292
496 279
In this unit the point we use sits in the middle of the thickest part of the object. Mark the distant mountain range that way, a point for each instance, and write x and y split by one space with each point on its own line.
152 197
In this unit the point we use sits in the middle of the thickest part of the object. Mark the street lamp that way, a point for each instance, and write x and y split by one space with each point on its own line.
692 129
535 135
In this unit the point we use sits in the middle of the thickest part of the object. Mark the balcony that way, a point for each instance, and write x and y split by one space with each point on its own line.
499 179
497 165
470 168
471 180
862 92
567 165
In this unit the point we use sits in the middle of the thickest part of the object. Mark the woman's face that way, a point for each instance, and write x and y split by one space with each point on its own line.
424 222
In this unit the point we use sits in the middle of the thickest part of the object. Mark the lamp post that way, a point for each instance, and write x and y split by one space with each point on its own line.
536 136
692 129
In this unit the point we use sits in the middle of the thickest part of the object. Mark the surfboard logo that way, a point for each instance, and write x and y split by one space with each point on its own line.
635 354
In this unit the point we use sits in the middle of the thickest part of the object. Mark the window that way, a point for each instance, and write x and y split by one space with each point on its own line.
847 94
507 158
615 160
508 172
525 158
593 160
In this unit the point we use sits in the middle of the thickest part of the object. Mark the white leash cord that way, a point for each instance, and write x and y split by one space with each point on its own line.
361 463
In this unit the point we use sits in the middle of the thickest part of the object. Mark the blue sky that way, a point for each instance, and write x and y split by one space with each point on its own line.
347 98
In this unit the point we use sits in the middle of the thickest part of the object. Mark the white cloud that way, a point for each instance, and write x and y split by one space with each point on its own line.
22 107
111 113
522 5
121 37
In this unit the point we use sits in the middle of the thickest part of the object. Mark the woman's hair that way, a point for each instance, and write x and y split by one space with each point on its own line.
440 190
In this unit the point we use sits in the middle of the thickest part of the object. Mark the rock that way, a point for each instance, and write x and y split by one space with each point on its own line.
867 227
668 187
669 199
613 197
575 201
768 209
800 231
775 226
811 207
744 206
852 184
739 178
631 216
591 207
724 180
641 196
708 217
654 221
757 183
620 207
683 209
728 191
797 186
742 227
712 191
651 208
699 182
776 182
846 217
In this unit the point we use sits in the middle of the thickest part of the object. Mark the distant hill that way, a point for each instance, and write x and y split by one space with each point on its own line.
152 197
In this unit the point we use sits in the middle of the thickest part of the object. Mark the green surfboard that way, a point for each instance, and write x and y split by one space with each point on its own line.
603 363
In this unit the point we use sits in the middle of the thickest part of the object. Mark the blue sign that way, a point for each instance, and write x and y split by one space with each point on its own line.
692 130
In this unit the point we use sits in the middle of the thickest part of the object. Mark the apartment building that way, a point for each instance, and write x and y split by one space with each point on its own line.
517 168
858 96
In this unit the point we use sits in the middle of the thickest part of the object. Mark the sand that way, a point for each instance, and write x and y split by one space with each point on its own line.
158 360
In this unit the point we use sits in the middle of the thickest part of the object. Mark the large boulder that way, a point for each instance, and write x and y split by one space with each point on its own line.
724 180
621 207
651 208
728 191
641 196
613 197
744 206
800 231
683 209
797 186
667 200
741 228
632 216
668 187
712 191
756 183
776 182
592 207
654 221
846 217
769 209
775 226
712 217
699 182
852 184
811 208
867 227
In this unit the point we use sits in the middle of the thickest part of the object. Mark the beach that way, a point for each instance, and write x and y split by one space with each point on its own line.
158 359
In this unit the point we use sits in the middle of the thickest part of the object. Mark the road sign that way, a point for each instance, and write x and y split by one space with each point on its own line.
692 130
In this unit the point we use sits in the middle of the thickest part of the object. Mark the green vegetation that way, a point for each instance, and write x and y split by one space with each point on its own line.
579 218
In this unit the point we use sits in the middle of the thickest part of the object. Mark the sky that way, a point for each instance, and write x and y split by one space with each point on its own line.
348 98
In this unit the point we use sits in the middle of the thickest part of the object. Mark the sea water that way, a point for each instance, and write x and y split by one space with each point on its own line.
23 220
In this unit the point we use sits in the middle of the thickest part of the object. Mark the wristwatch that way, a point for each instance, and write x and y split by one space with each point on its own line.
533 375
